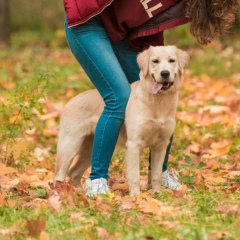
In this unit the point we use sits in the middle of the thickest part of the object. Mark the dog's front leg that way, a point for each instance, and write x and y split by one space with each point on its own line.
157 159
133 173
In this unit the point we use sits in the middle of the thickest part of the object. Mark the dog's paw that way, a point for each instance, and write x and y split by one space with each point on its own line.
134 192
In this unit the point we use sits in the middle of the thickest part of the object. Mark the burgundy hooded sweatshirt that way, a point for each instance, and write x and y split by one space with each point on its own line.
142 20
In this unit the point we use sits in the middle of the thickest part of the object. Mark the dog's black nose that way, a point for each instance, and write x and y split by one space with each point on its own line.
165 74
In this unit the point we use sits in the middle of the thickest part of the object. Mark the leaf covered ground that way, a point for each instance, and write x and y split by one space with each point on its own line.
37 78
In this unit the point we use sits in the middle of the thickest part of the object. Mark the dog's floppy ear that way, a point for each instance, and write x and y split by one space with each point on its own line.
183 59
142 60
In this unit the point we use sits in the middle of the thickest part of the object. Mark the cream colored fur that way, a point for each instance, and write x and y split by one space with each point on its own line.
149 122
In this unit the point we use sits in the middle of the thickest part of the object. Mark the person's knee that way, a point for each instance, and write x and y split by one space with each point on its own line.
117 102
123 99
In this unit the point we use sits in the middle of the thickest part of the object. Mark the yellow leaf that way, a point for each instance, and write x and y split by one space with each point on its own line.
220 148
44 236
215 180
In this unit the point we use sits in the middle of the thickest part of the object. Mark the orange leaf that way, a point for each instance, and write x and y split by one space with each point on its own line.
54 200
2 198
119 186
213 164
102 233
194 148
5 170
180 193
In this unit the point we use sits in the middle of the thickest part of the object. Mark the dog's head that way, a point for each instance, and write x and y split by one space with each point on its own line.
163 67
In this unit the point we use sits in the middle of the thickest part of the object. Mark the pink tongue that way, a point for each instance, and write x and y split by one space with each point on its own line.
156 87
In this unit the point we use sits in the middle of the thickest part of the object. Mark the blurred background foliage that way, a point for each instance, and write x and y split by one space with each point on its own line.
37 22
33 15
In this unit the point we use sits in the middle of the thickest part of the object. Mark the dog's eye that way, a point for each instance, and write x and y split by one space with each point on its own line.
155 61
172 60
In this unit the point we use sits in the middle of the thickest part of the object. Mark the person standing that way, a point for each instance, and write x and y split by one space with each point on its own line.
105 37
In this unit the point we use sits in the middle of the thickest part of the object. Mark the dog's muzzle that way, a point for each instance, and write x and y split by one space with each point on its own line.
164 85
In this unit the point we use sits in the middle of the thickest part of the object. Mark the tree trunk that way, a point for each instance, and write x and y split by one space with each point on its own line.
5 29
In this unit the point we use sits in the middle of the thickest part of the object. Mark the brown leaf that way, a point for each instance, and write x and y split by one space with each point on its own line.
35 227
22 188
126 204
65 190
232 188
75 216
233 174
217 235
82 199
194 148
226 208
147 204
212 164
101 205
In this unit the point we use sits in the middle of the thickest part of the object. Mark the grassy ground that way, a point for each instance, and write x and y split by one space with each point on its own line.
38 75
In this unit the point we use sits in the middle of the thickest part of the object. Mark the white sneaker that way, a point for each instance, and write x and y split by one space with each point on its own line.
96 186
170 180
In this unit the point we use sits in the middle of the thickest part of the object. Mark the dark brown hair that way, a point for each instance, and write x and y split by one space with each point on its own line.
210 18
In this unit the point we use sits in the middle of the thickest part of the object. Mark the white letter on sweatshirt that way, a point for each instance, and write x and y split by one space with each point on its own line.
150 10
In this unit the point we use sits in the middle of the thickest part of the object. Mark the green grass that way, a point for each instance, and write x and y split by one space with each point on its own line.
203 221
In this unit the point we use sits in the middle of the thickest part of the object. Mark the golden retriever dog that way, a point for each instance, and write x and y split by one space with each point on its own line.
149 121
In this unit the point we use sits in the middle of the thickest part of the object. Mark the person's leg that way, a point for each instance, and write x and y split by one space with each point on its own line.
165 163
93 50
